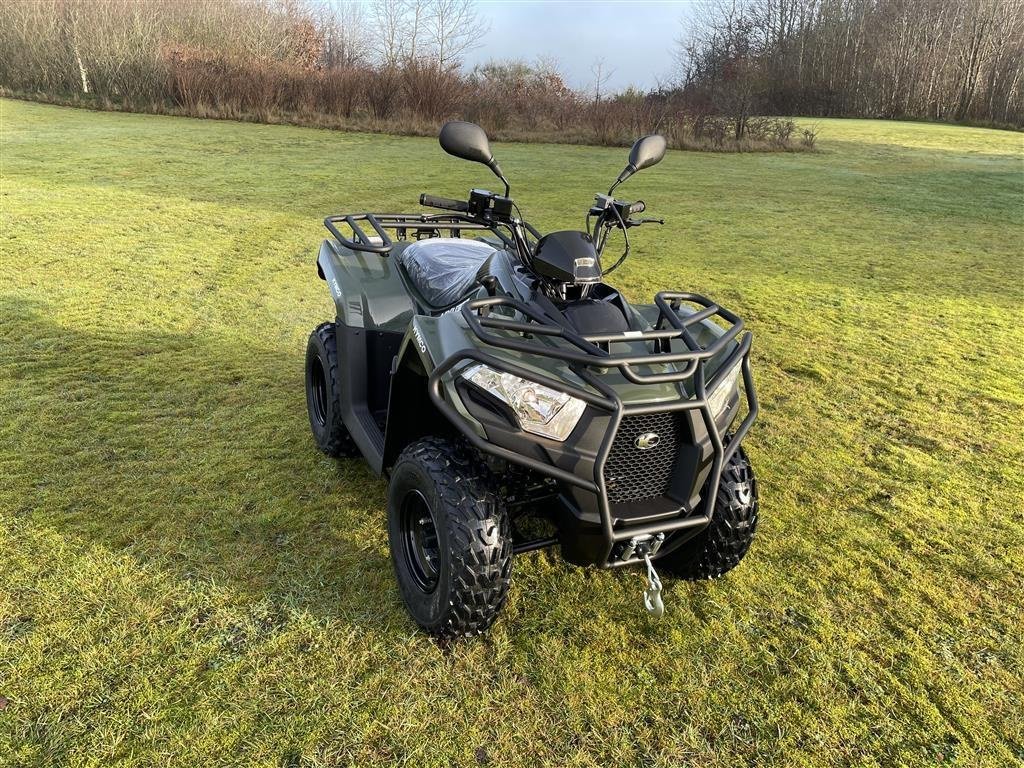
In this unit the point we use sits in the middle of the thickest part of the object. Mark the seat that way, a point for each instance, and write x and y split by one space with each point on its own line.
444 269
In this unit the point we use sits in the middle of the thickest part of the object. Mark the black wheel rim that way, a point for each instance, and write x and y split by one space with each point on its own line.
420 546
318 390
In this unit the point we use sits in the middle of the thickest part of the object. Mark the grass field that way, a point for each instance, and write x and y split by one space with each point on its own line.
185 581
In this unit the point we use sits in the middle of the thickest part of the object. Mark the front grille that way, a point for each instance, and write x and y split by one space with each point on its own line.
634 474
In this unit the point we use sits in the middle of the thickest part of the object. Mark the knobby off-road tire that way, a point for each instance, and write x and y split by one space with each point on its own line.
720 547
450 538
323 400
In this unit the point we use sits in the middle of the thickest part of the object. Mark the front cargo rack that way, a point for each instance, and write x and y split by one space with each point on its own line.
586 353
594 349
414 226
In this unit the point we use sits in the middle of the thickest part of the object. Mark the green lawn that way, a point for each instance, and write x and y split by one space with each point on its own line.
185 581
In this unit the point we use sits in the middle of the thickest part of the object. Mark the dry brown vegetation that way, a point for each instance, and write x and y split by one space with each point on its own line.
396 66
297 62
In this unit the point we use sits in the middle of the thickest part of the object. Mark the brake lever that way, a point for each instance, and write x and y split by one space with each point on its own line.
638 222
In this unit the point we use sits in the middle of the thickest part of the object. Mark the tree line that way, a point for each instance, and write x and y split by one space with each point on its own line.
397 66
949 60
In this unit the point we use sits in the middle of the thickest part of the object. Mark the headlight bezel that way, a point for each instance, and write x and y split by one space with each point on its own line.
537 408
721 395
566 411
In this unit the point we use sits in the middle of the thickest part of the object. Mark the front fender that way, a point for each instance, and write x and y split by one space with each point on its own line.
411 412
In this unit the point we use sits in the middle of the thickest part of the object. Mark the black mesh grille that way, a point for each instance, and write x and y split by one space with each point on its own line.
634 474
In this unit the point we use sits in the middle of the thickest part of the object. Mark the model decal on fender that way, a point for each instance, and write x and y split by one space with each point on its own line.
419 340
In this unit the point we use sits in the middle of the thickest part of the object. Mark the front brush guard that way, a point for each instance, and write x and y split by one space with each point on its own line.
593 351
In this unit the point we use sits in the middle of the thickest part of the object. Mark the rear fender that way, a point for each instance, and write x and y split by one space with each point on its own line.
367 290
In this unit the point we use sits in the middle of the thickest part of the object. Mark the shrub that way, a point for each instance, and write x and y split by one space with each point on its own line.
282 62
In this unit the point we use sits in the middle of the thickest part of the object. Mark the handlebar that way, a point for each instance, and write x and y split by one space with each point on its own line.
445 203
613 210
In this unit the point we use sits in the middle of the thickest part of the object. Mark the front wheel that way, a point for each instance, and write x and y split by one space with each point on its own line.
450 538
720 547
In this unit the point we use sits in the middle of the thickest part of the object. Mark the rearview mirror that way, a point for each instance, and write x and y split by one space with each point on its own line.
466 140
646 151
469 142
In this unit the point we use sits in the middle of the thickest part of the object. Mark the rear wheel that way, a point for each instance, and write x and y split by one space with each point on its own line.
720 547
323 395
450 538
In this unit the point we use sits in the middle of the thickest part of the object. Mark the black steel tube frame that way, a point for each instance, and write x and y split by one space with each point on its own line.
533 545
592 356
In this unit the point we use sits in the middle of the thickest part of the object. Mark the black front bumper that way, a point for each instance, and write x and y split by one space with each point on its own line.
594 527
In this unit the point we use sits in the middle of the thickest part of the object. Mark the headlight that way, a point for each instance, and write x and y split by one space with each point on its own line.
539 409
719 397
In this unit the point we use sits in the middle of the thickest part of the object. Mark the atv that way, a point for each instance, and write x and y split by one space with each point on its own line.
515 401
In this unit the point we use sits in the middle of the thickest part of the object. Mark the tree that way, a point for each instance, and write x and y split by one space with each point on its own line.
601 75
945 59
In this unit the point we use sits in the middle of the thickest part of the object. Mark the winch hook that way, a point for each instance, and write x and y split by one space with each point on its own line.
652 595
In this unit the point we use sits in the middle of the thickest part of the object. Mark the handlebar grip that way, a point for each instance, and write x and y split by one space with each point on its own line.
638 207
433 201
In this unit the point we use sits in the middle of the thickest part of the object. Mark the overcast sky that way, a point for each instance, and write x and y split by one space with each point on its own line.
635 37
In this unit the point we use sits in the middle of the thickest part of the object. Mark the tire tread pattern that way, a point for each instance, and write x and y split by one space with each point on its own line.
337 442
720 547
479 535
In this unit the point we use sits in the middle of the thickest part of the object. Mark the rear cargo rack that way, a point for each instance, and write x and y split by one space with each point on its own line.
407 226
587 353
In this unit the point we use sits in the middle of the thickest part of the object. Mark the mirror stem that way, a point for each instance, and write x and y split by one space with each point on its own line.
496 169
628 171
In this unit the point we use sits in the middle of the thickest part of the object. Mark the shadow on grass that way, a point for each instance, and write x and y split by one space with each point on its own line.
190 453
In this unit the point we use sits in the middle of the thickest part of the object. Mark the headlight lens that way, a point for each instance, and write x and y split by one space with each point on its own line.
719 397
539 409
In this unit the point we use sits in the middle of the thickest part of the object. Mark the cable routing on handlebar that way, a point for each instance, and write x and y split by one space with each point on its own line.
625 235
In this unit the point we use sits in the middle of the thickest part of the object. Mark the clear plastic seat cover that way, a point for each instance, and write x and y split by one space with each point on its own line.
444 269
